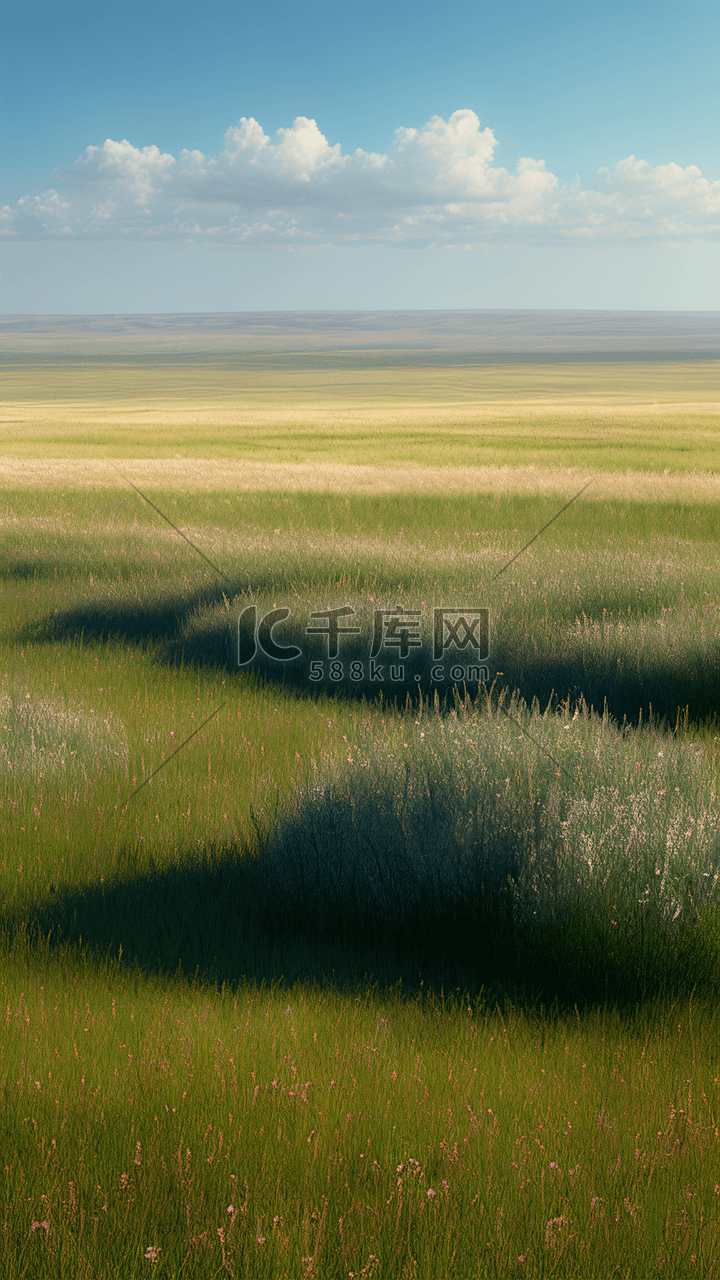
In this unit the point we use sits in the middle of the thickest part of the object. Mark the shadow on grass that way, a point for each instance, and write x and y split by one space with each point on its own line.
217 921
458 858
678 689
205 922
127 619
19 568
201 627
29 571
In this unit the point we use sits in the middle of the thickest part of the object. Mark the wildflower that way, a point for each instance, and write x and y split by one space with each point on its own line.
152 1253
430 1194
41 1226
261 1239
550 1226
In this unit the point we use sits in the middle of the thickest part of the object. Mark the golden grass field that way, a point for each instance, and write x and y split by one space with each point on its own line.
512 427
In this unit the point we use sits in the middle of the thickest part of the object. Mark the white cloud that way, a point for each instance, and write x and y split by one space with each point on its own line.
48 204
135 169
103 212
299 152
434 186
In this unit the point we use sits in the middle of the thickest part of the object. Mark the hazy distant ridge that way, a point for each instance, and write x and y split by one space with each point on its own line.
577 333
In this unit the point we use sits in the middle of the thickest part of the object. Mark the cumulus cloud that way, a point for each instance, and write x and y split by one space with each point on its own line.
298 154
435 186
133 168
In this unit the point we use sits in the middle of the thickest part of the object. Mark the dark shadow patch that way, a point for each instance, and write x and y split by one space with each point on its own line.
132 621
208 920
18 570
366 887
553 666
631 687
683 687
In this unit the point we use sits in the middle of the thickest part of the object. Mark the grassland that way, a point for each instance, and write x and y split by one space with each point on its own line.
420 986
609 418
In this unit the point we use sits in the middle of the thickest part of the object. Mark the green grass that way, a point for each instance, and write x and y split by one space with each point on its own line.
264 995
619 604
318 1132
609 417
589 523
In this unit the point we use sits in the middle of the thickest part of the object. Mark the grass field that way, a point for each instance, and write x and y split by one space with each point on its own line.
645 417
403 978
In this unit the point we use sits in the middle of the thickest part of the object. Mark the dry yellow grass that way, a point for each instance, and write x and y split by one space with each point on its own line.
521 427
205 475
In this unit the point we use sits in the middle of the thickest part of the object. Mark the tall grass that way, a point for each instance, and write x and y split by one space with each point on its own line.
342 988
102 721
550 848
156 1129
627 627
500 848
43 738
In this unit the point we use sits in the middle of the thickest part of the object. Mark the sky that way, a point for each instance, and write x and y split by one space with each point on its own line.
170 157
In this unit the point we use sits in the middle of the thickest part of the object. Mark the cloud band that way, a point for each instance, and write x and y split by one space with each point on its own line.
436 187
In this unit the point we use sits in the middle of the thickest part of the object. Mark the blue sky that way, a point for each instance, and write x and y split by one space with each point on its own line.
481 155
